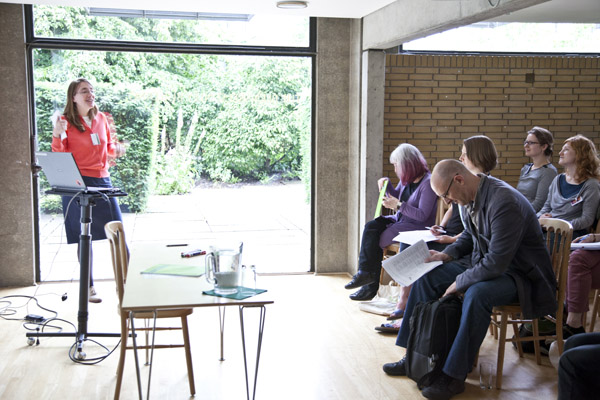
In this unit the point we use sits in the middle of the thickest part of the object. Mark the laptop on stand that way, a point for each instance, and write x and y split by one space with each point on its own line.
63 174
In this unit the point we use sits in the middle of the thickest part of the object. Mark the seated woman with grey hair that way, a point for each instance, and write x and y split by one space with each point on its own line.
415 204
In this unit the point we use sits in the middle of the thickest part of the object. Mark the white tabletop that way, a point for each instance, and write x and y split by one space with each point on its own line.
153 292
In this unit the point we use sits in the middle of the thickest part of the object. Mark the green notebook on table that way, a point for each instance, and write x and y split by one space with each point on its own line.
174 269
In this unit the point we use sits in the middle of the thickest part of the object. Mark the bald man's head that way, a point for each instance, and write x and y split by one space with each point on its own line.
446 173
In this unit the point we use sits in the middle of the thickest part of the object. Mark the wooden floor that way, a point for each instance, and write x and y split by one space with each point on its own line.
317 345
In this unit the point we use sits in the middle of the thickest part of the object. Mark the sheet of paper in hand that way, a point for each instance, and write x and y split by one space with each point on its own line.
586 246
409 265
412 237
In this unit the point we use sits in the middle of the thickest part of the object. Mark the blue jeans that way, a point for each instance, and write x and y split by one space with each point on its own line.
578 367
479 299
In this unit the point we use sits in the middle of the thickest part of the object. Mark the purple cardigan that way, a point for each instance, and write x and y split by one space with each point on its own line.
415 213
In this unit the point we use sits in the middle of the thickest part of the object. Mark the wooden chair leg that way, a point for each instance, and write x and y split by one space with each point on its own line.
536 343
519 346
494 326
188 354
122 353
501 344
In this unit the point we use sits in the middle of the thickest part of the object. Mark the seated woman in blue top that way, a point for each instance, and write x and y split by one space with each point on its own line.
536 176
416 205
575 194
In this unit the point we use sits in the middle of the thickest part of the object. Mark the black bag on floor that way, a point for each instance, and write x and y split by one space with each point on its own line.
433 327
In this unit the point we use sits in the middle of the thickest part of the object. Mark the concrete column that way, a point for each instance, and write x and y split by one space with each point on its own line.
332 160
16 212
371 135
354 145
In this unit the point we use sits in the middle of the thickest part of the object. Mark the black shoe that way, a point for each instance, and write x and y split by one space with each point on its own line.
396 369
361 279
444 388
366 292
569 331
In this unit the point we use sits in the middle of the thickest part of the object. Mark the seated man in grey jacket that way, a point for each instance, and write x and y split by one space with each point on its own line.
508 262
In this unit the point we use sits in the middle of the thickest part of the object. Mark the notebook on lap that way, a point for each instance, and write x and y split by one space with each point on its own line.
63 174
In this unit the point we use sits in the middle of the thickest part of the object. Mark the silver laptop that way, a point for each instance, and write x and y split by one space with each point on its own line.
63 174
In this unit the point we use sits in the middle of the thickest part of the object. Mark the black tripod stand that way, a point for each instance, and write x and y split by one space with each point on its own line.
86 201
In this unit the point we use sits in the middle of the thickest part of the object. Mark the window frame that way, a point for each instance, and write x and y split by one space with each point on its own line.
33 42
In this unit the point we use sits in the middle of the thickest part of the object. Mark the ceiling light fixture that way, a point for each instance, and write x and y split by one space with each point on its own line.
292 5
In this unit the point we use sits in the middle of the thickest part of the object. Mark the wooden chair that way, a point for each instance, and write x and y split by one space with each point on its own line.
558 240
120 259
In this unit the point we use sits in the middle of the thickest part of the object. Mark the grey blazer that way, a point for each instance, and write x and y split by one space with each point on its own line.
507 240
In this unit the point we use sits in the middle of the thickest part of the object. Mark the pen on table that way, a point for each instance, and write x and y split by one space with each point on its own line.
177 245
435 229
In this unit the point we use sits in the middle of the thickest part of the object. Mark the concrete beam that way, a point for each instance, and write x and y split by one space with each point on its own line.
406 20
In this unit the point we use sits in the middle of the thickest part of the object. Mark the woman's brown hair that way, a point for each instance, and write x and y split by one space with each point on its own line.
482 152
544 136
70 112
586 157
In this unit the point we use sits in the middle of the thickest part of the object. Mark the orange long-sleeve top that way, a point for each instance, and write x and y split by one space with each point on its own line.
91 159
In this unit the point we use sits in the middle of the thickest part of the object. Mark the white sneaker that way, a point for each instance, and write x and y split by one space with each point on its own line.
94 296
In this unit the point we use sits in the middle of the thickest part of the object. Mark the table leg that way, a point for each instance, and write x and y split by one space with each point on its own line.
135 354
261 327
222 328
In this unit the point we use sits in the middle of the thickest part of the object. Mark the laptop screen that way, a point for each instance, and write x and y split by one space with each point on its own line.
60 170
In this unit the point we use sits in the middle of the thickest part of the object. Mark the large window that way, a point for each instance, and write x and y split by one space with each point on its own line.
513 38
196 120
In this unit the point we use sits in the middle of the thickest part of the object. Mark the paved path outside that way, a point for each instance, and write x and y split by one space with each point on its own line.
272 220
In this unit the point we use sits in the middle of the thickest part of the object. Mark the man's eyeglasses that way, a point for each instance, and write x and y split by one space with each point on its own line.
449 186
528 143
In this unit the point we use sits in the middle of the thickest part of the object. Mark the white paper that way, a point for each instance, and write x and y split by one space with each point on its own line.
409 265
412 237
586 246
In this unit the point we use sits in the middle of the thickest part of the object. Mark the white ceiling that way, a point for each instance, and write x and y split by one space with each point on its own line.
584 11
316 8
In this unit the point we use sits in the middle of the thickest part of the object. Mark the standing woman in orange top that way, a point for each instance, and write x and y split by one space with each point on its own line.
85 132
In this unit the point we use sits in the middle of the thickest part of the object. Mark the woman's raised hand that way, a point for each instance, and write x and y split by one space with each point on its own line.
380 182
60 126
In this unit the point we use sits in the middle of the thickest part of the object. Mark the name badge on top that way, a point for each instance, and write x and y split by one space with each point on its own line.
95 139
576 200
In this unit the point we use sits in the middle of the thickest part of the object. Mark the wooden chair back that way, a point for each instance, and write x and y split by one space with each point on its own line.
120 256
559 234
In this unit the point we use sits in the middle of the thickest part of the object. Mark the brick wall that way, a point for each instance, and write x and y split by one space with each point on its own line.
434 102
